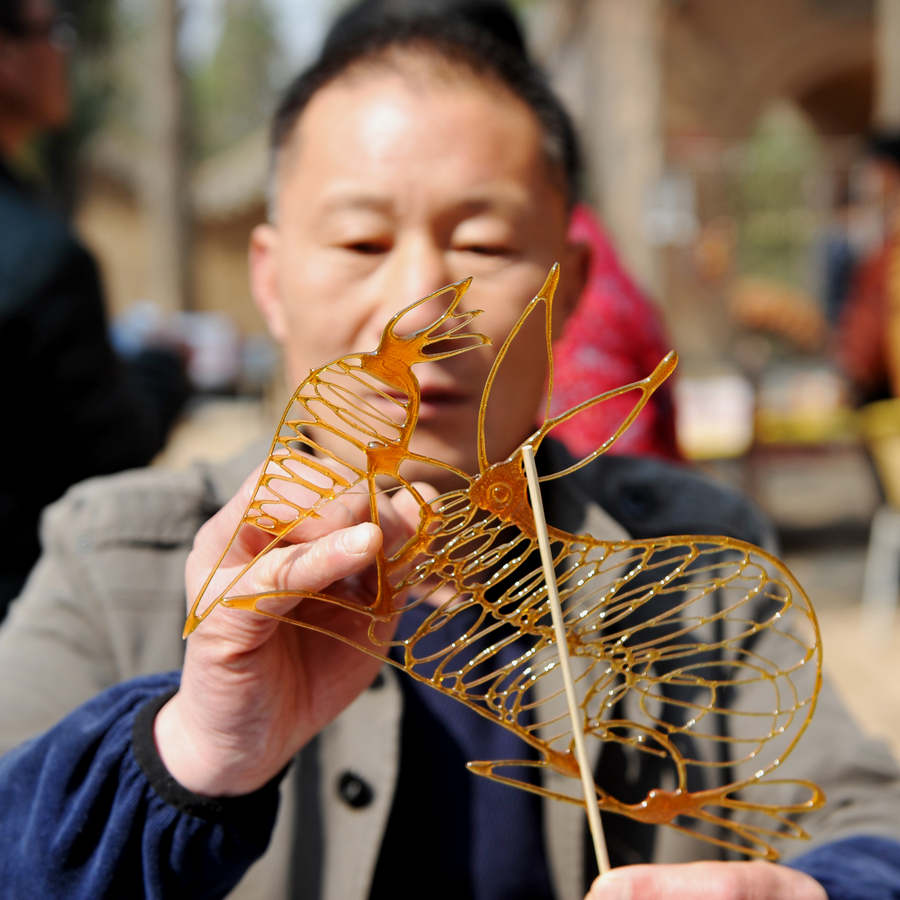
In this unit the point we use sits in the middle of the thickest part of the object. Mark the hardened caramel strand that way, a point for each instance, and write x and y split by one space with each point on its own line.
662 632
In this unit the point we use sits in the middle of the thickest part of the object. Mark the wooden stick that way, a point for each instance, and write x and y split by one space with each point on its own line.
562 646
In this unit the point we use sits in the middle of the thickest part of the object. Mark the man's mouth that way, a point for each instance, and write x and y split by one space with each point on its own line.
436 400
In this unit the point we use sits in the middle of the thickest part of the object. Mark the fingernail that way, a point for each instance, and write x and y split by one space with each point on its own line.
358 539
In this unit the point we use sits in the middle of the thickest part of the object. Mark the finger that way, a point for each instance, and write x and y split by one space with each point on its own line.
297 490
228 530
279 581
315 565
297 499
217 543
755 880
400 514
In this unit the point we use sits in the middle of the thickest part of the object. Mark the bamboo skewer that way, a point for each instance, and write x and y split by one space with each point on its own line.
584 768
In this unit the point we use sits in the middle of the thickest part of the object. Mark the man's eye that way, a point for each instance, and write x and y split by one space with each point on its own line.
486 249
368 248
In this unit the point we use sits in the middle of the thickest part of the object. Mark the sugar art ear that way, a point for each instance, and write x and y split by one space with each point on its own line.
544 296
646 387
441 337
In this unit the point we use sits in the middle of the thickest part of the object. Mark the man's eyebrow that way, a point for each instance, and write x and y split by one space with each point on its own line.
352 199
494 200
505 199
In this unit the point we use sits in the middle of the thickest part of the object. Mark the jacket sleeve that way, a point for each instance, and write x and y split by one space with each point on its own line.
89 810
105 602
866 867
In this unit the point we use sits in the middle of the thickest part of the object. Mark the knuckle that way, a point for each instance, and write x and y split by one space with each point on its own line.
281 569
304 567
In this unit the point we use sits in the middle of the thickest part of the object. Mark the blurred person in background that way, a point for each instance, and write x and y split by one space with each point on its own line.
868 337
614 336
837 254
403 160
71 408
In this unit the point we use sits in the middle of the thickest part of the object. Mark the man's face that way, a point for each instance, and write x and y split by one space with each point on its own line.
33 78
391 189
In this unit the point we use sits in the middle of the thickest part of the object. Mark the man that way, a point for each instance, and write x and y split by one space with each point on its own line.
68 400
401 163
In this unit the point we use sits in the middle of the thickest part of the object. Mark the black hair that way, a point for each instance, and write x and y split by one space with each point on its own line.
364 38
493 16
12 17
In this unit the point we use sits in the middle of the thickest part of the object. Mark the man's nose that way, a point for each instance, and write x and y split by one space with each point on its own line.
420 270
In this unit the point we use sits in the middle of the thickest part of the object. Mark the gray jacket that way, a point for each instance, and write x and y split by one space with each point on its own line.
106 603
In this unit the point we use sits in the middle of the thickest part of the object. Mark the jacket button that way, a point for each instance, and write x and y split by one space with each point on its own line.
354 791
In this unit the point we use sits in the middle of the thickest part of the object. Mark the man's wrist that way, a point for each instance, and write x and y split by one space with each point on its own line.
197 765
257 806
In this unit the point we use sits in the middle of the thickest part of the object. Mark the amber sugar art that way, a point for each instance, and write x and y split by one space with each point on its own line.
661 632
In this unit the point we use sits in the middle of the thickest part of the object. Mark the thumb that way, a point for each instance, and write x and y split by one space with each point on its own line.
278 581
315 565
612 885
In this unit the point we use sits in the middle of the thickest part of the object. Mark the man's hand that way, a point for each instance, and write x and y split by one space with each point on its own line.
255 690
706 881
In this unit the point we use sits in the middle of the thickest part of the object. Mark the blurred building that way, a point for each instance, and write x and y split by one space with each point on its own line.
718 138
667 93
226 193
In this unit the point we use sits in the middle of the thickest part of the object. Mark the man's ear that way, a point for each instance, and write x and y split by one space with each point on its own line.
573 276
265 283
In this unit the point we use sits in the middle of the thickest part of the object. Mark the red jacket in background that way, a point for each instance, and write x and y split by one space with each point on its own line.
614 336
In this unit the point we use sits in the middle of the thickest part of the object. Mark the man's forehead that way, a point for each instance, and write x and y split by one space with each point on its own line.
422 79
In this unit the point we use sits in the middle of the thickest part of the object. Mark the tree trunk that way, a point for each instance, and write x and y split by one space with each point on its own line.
166 189
623 129
887 64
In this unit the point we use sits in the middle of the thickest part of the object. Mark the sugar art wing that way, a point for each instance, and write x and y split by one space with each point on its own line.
700 655
302 473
